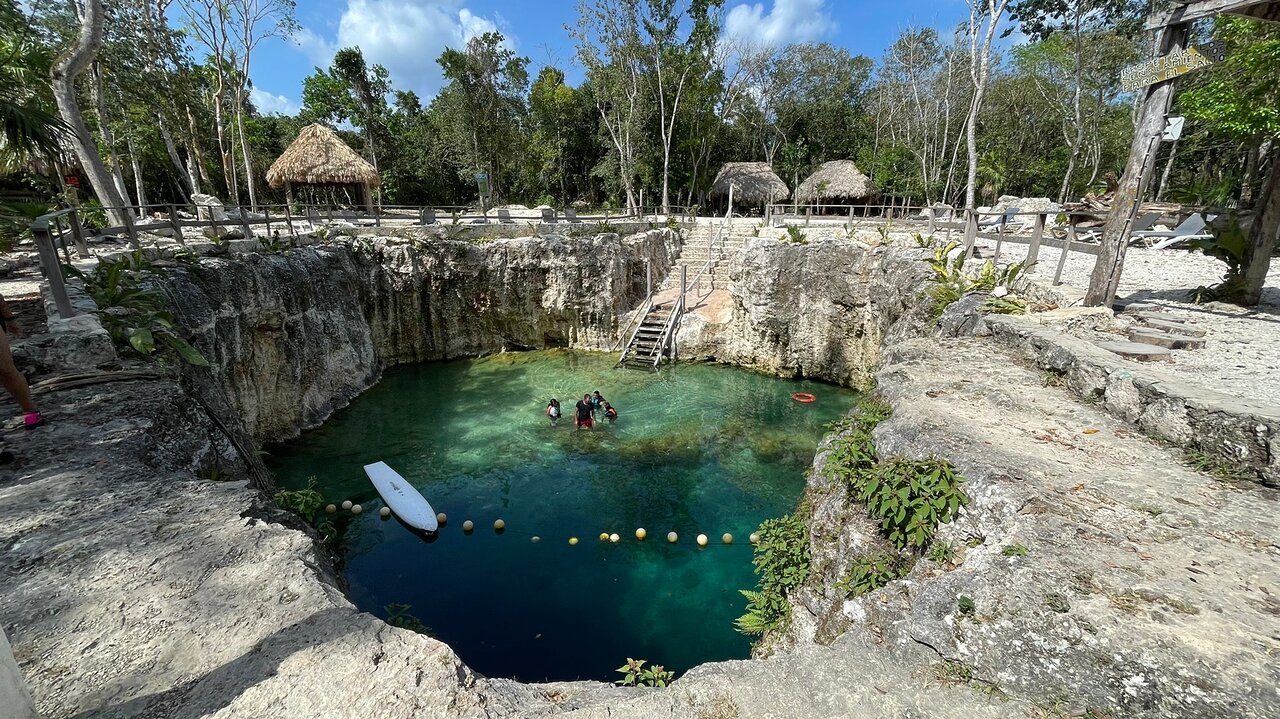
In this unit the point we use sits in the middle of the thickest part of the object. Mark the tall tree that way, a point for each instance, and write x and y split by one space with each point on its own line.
674 62
210 21
984 20
490 79
255 21
65 71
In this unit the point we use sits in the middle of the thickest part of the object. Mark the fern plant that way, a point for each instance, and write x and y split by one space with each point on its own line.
782 562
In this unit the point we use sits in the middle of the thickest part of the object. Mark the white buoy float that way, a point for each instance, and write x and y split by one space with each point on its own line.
727 538
468 525
604 536
672 537
702 540
385 512
573 540
755 537
331 508
641 534
614 538
346 504
442 519
536 539
499 525
356 509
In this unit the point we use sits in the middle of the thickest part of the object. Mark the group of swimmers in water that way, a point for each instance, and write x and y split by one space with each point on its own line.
585 411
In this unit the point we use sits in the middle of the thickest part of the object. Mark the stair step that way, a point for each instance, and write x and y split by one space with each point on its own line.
1171 326
1137 351
1164 339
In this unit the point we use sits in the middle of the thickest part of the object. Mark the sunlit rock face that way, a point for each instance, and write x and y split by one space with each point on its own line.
291 337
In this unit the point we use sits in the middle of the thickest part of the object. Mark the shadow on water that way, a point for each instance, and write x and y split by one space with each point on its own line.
696 449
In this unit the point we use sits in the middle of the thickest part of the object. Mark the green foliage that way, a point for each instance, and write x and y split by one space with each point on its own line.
1014 550
940 552
636 674
303 502
871 572
966 607
782 564
795 236
398 616
911 498
15 222
275 244
91 214
921 241
1217 466
948 264
132 313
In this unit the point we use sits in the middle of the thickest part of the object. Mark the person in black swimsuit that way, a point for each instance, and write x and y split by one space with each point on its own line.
586 412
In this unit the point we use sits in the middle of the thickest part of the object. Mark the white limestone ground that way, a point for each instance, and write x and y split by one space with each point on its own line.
1243 348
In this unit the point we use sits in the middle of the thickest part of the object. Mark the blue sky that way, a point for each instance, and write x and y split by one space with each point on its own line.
406 36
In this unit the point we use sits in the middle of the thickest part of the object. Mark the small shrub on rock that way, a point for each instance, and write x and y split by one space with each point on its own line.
872 572
782 562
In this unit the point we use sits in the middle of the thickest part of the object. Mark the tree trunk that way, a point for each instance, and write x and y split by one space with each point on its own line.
188 182
139 185
1252 156
1262 237
195 161
1128 196
244 155
1168 169
63 74
981 73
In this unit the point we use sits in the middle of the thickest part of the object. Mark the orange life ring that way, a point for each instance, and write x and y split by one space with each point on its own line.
804 398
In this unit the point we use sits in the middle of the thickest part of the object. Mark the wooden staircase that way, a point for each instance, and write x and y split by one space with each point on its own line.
651 340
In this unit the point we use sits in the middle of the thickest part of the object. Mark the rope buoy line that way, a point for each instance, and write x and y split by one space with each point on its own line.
500 527
804 397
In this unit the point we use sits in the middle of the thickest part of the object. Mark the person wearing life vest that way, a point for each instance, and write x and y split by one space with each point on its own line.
553 411
610 413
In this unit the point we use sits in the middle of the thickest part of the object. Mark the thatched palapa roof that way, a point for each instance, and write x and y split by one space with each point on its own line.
838 180
320 157
754 183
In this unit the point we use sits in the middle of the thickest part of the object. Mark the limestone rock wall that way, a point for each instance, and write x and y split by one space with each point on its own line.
292 337
821 310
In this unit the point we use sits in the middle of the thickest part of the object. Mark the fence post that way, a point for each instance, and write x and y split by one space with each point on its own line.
850 218
808 213
970 231
422 216
1066 247
173 225
1000 237
62 240
130 230
266 214
1037 235
931 220
52 270
288 221
77 231
244 223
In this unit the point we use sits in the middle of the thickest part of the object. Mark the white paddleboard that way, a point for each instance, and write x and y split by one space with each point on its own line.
407 503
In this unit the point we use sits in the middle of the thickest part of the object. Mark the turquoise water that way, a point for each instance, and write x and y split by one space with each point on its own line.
696 449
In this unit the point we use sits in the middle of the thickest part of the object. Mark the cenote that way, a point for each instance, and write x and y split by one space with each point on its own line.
696 449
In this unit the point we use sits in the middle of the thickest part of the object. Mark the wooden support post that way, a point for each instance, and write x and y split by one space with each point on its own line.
1037 236
77 231
266 214
422 216
52 269
173 225
288 221
1066 247
808 214
129 228
851 218
244 223
1133 183
929 212
999 240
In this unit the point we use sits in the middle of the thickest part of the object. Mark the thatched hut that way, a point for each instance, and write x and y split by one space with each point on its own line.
754 183
838 182
320 157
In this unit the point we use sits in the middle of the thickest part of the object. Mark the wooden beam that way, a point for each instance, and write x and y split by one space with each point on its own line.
1185 11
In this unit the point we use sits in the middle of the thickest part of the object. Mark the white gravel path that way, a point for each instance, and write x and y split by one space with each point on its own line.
1241 357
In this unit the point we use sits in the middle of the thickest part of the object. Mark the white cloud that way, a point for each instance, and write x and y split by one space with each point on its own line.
789 21
271 104
404 36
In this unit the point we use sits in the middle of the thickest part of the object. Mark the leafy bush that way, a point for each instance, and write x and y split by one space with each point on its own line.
954 282
134 315
635 674
873 571
911 498
303 502
92 215
966 606
941 552
1014 550
795 236
782 562
398 616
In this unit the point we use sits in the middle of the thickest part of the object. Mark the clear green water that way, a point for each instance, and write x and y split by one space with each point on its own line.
697 449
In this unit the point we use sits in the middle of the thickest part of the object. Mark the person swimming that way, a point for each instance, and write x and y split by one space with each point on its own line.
553 410
610 413
596 400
